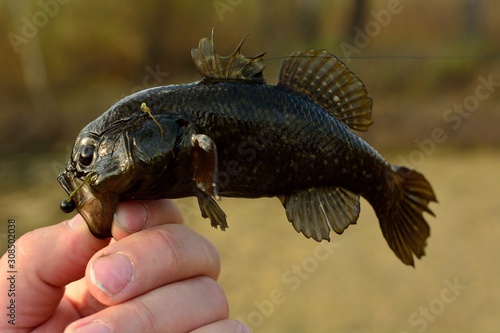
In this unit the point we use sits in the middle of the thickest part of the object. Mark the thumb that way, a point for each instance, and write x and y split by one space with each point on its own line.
46 260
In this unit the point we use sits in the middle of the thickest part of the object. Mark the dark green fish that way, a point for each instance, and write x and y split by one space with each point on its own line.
233 135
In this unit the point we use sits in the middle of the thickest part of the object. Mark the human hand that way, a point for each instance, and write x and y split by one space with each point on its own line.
161 279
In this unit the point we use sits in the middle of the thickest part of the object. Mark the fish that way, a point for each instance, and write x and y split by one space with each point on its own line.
231 134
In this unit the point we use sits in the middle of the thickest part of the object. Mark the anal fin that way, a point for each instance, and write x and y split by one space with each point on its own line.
315 211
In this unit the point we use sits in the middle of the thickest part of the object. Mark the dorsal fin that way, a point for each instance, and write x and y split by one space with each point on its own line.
235 66
328 82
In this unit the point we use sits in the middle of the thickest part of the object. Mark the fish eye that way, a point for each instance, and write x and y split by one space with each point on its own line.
86 155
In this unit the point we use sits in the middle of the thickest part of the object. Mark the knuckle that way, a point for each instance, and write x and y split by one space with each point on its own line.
168 244
147 319
215 296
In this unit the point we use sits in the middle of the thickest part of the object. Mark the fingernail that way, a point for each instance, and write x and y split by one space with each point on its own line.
95 326
112 273
131 216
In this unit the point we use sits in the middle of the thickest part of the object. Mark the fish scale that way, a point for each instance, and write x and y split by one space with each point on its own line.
290 131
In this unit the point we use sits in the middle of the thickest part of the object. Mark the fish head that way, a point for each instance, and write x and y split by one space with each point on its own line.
120 155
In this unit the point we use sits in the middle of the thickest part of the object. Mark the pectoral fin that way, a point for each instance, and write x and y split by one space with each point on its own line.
204 153
317 210
209 208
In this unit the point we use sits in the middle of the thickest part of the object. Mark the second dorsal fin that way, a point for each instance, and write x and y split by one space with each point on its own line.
215 68
328 82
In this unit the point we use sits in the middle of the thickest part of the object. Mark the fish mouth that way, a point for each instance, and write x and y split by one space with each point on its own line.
96 208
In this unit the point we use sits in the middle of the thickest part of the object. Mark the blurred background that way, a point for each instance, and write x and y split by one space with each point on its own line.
433 71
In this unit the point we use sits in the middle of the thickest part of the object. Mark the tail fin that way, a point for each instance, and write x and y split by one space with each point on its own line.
403 224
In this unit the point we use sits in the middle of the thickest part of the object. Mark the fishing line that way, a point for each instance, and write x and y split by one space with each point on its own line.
407 57
397 57
87 180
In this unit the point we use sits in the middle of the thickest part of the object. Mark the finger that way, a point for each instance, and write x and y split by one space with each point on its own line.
148 259
82 300
224 326
46 260
133 216
178 307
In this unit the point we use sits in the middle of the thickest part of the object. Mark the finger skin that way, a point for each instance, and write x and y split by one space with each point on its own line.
160 255
178 307
224 326
131 214
171 262
47 259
